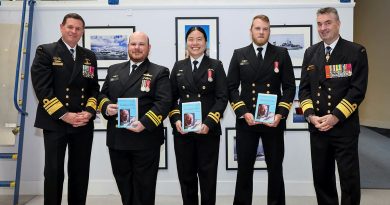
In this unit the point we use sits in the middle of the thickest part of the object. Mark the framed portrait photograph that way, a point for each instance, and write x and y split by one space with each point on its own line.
296 38
163 164
209 24
296 120
109 43
231 152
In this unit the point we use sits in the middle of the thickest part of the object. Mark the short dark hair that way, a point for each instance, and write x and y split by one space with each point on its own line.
261 17
73 16
196 28
328 10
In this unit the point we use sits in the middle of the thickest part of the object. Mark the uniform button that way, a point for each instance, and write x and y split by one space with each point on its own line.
318 109
318 94
66 104
253 85
253 91
319 87
204 87
184 87
82 104
318 102
329 97
82 89
66 96
268 92
67 89
328 111
268 84
329 104
82 96
188 96
199 95
254 99
330 89
254 105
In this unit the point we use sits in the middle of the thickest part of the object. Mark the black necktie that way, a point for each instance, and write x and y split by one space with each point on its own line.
259 55
72 52
133 68
195 68
327 53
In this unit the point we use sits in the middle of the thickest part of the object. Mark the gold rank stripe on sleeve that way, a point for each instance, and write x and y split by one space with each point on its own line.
102 103
235 106
51 106
215 116
92 102
306 104
173 112
153 117
346 107
285 105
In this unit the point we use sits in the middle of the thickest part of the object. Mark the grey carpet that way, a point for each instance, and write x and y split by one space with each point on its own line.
374 157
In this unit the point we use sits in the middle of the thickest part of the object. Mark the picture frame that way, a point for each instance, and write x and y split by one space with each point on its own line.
102 73
231 154
109 43
296 38
163 164
209 24
296 120
100 123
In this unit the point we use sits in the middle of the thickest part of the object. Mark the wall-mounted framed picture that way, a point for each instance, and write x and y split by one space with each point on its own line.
296 120
296 38
231 152
102 73
100 123
163 164
209 24
109 43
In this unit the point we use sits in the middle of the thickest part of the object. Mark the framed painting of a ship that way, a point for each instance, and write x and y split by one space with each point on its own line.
296 38
109 43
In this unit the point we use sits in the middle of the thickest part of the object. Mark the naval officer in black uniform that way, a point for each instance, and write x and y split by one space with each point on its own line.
64 77
135 151
334 83
260 68
198 78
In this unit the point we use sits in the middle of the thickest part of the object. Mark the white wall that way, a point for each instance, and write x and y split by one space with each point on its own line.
159 22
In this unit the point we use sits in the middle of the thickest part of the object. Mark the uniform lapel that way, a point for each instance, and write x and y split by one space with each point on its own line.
135 76
188 73
66 57
78 63
321 62
250 54
202 70
267 66
124 74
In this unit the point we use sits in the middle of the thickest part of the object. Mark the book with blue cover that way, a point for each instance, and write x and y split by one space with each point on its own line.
127 112
265 108
191 116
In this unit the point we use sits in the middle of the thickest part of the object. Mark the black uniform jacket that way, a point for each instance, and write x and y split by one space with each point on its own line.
153 104
338 96
275 76
63 85
207 85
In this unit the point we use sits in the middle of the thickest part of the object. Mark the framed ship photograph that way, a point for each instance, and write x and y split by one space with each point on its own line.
109 43
209 24
296 38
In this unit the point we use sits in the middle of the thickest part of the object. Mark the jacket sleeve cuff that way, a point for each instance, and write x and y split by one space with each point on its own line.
151 120
283 109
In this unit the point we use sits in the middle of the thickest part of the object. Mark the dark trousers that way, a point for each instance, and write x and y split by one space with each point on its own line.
325 150
135 172
197 159
79 155
246 145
